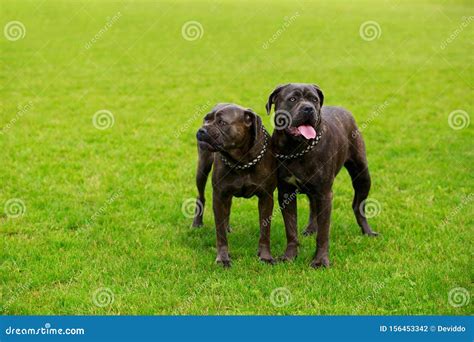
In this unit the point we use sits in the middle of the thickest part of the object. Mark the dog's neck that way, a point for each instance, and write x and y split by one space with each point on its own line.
248 151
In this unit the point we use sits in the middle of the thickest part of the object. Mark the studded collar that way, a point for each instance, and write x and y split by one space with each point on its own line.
253 162
308 148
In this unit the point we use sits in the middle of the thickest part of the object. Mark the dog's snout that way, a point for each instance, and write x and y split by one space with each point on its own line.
307 109
201 133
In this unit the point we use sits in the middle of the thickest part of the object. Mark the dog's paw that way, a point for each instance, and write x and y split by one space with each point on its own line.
266 257
225 263
371 233
287 258
290 254
197 225
320 262
267 260
223 260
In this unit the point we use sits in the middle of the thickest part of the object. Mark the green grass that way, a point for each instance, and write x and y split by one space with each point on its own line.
132 178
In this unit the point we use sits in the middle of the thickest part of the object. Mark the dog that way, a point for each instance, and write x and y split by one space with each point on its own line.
312 143
234 142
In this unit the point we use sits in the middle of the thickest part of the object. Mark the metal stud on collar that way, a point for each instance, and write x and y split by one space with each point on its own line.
308 148
253 162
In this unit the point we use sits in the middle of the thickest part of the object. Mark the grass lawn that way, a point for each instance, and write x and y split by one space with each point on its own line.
100 227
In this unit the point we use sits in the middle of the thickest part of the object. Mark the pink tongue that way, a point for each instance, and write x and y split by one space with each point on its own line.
307 131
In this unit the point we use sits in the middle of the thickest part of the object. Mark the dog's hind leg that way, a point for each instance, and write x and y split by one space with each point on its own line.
359 171
205 160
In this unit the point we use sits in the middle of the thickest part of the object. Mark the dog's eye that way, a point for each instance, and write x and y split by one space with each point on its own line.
293 99
222 123
314 99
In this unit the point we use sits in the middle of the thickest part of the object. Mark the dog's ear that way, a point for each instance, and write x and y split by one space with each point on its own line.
273 95
254 120
208 116
320 94
217 107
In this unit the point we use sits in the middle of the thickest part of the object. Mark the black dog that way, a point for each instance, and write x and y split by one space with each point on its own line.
312 143
235 141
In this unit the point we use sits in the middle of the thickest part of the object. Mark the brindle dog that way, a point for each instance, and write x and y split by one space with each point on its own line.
234 140
312 143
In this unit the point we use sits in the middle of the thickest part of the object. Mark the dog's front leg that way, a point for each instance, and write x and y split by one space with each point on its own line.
265 211
287 201
221 204
323 207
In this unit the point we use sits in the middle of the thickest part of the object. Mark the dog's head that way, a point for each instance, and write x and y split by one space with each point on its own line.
228 126
297 108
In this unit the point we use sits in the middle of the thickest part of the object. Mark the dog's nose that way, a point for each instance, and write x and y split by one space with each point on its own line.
307 109
201 133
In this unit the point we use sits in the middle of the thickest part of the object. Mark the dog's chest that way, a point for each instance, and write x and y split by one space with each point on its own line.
293 180
304 176
245 186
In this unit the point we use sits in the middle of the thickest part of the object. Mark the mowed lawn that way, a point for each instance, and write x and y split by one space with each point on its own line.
101 227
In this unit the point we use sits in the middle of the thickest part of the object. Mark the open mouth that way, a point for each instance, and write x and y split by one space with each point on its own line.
307 131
